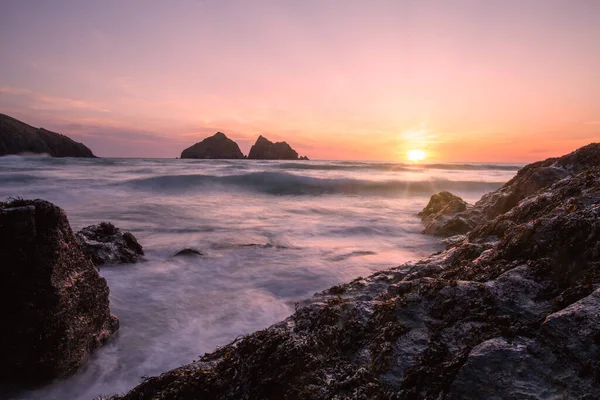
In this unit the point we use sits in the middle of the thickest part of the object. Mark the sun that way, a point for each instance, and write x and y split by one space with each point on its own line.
416 155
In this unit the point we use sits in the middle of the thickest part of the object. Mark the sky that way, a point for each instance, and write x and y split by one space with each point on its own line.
511 81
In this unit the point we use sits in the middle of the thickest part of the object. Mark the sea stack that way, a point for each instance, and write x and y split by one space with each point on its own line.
218 146
264 149
54 304
17 137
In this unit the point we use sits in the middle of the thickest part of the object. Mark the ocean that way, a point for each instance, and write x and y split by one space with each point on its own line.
272 233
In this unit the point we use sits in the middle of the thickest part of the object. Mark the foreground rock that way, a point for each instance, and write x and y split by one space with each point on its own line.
528 180
442 207
217 146
17 137
264 149
510 311
107 244
54 305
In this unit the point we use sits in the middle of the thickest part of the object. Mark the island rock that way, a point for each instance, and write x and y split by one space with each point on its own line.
54 305
217 146
17 137
264 149
107 244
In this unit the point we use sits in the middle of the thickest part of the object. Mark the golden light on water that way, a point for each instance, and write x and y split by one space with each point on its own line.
416 155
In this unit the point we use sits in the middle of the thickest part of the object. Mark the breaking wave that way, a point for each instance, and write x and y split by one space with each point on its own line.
280 183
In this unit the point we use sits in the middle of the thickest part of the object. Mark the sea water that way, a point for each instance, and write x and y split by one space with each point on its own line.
272 233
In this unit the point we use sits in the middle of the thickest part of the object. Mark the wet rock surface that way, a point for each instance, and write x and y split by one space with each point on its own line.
509 310
54 305
107 244
439 216
218 146
264 149
528 180
17 137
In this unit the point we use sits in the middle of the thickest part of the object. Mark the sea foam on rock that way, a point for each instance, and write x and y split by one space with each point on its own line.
509 310
54 305
107 244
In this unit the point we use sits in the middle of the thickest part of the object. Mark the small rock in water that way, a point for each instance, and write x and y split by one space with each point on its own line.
107 244
188 252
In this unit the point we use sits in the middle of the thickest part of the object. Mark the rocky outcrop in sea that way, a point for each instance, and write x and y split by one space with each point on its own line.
54 305
511 309
17 137
107 244
217 146
264 149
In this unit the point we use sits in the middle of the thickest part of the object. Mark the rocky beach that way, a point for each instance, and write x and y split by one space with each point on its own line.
509 309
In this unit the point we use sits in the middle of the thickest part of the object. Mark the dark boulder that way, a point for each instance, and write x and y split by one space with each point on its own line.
188 252
304 158
107 244
54 305
444 203
439 215
264 149
509 311
528 181
17 137
217 146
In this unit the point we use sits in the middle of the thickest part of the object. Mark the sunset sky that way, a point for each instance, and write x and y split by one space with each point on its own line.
370 80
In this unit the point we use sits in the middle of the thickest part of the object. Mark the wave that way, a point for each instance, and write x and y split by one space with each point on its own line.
281 183
18 178
349 165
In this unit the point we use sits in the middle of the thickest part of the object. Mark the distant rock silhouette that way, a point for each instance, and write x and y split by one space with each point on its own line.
304 158
264 149
17 137
217 146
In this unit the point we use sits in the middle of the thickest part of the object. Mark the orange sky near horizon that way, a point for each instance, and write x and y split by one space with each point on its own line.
497 81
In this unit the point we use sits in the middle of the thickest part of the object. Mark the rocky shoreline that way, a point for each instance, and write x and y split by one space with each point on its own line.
510 309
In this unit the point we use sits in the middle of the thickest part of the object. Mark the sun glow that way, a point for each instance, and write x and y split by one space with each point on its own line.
415 155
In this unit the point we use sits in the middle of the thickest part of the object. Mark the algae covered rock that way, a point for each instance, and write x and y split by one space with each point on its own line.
528 181
54 305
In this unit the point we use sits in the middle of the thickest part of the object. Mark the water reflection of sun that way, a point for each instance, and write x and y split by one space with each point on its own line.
416 155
